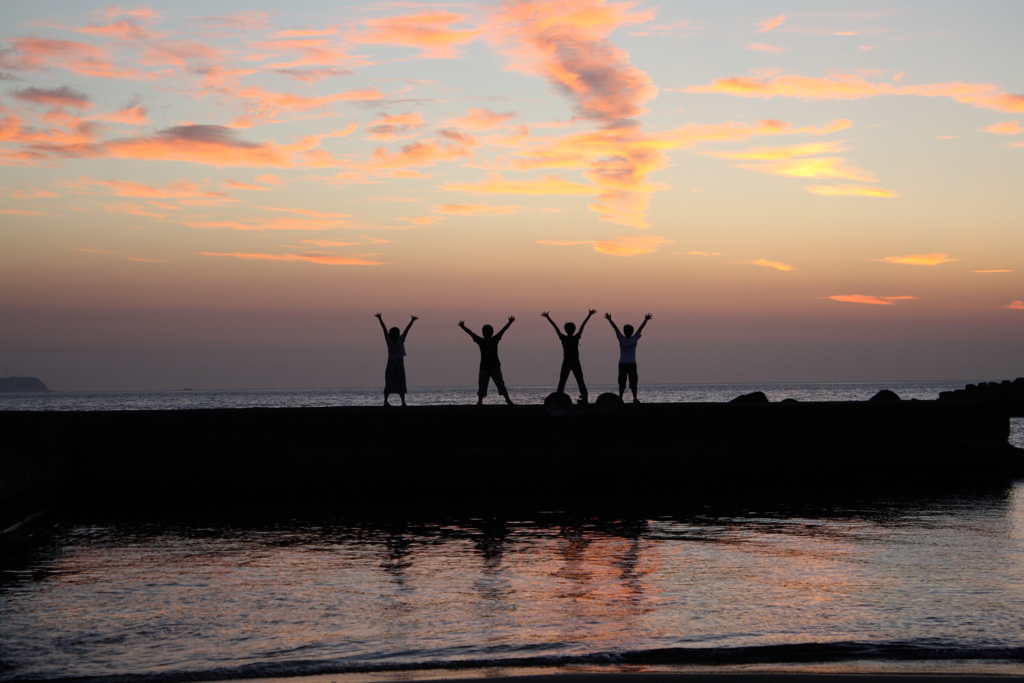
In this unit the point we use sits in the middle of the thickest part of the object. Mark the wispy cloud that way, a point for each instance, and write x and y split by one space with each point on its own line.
430 32
1004 128
817 167
1015 305
324 259
995 270
854 87
480 119
849 191
546 185
473 209
122 254
619 246
771 23
780 153
761 47
54 97
867 299
777 265
918 259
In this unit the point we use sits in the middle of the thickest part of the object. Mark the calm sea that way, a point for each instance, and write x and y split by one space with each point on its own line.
929 581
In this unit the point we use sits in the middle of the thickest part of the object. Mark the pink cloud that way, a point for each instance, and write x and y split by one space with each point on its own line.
854 87
480 119
849 191
38 54
867 299
761 47
54 97
777 265
619 246
1015 305
473 209
429 31
771 23
323 259
1004 128
919 259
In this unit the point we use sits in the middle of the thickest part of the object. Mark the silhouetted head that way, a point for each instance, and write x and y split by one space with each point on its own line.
627 330
394 333
488 331
570 328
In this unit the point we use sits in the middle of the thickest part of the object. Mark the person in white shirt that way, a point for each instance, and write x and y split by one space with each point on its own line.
394 375
627 354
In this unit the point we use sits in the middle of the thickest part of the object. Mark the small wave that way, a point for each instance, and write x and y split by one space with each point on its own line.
803 653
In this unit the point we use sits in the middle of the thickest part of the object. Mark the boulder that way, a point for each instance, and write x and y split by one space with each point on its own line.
557 398
608 398
885 395
756 397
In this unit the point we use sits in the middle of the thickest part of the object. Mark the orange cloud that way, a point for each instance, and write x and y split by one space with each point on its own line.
309 258
308 212
130 188
992 271
37 54
419 153
918 259
849 191
235 185
780 153
618 246
546 185
703 253
268 179
33 194
473 209
771 23
133 116
428 31
867 299
133 209
264 106
853 87
480 119
23 212
777 265
818 167
1004 128
1015 305
765 48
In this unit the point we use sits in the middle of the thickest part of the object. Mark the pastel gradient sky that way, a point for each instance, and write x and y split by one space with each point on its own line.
221 194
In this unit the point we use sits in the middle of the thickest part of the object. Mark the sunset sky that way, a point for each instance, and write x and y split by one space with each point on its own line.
221 194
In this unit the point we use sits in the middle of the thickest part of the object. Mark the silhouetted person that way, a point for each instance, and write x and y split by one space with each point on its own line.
627 354
571 354
490 366
394 375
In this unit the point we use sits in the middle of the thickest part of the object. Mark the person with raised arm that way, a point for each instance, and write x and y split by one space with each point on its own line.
571 354
490 366
627 354
394 374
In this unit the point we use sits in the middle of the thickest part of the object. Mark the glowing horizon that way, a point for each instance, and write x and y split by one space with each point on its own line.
510 155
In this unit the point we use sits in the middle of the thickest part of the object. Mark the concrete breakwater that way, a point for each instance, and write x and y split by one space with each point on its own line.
254 457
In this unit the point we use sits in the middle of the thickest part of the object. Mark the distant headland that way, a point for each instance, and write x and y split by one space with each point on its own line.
21 384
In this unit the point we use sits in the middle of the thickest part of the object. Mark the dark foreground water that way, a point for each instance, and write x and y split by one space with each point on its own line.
892 582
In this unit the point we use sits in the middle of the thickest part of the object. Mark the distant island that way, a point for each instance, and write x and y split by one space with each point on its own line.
21 384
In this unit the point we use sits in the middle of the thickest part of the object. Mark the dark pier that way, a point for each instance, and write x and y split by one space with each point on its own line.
448 455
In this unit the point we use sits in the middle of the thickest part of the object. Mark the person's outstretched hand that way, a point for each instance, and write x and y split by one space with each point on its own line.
511 318
545 314
592 311
414 317
462 323
608 316
648 316
378 315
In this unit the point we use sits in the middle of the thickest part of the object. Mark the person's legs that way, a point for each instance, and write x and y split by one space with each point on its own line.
577 372
386 394
481 391
563 376
622 379
633 380
499 382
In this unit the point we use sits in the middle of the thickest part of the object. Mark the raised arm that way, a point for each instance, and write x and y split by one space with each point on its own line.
545 315
412 319
584 323
380 319
646 318
462 324
608 316
511 319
